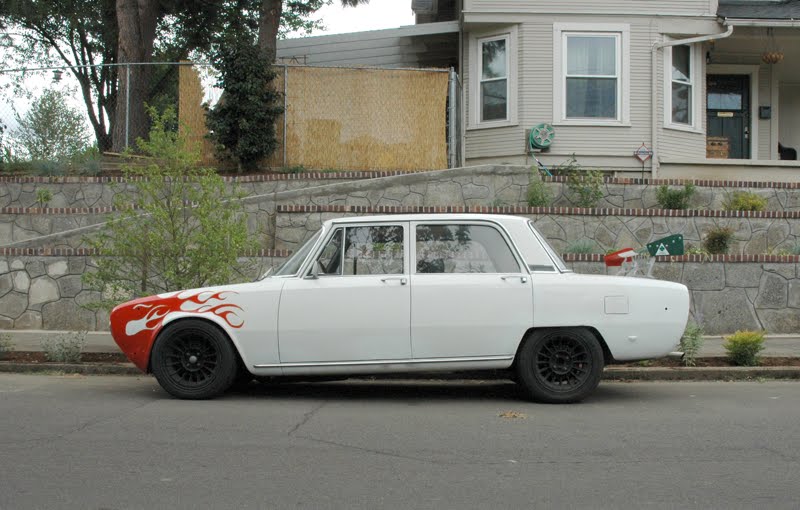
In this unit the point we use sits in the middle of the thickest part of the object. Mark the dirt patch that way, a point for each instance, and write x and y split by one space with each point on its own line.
712 362
87 357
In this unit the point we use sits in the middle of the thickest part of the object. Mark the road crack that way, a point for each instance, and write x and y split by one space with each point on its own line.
306 417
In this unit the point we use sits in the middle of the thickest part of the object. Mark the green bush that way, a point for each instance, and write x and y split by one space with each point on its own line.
43 196
674 198
184 231
718 240
65 347
743 347
745 201
581 246
586 186
6 345
691 343
539 194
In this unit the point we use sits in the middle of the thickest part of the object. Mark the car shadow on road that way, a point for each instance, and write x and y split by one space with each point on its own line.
413 391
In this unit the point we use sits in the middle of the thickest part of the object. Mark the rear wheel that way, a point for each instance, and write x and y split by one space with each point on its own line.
560 365
193 359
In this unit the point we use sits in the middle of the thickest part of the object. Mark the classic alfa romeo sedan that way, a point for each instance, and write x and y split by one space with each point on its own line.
407 293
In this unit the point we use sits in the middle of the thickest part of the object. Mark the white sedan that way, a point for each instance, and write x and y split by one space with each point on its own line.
407 293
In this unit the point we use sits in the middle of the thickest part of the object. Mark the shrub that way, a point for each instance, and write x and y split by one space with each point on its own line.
691 343
184 231
581 246
718 240
674 198
6 345
539 194
65 347
743 347
745 201
586 186
43 196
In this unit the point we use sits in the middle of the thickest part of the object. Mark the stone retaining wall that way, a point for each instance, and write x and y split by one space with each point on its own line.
484 185
610 229
100 191
46 292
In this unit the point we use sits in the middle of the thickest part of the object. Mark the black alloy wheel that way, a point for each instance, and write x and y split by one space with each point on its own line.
560 365
193 359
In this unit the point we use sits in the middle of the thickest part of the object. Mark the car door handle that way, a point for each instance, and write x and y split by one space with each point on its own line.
401 279
522 279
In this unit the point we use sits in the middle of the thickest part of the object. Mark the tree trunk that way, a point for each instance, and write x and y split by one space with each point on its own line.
137 31
268 22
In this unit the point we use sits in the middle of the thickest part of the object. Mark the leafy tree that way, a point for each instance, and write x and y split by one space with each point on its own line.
243 122
75 33
84 33
179 229
51 129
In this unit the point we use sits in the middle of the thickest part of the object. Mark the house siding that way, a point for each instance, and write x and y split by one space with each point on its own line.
381 48
640 7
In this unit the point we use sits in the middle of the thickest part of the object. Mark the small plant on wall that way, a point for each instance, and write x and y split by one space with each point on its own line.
669 198
744 201
585 186
539 194
43 197
743 347
718 240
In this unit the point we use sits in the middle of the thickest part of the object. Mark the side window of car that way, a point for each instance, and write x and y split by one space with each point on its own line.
463 249
373 250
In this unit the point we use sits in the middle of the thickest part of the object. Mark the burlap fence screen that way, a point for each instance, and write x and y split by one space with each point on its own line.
345 118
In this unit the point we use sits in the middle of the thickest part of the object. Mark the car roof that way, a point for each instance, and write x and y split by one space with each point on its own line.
499 218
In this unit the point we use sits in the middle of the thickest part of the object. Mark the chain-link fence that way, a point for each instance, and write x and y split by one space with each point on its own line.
77 119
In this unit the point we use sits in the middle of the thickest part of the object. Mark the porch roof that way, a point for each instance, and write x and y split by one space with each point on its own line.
786 10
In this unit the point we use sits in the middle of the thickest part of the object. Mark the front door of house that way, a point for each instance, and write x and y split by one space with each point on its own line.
728 110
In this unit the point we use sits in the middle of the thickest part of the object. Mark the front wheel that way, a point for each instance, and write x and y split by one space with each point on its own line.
560 366
193 359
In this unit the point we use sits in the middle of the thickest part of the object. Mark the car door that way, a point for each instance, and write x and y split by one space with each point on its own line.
355 306
470 294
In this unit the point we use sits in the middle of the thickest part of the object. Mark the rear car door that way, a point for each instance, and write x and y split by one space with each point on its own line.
471 296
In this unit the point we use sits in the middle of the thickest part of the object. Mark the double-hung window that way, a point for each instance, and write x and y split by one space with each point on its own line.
591 78
493 70
681 96
493 78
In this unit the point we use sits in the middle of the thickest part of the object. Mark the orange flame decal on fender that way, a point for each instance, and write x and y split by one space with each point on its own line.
134 324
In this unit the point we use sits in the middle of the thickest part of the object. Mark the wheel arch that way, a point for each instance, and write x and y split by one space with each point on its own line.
166 327
608 358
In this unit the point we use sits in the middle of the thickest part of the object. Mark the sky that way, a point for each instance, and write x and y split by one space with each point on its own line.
375 15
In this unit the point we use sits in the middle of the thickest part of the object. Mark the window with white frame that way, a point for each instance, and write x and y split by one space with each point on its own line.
591 73
493 80
592 77
682 89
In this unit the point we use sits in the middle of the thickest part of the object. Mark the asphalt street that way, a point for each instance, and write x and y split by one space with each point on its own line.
102 442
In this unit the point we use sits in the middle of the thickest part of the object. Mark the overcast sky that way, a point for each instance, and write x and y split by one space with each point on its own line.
375 15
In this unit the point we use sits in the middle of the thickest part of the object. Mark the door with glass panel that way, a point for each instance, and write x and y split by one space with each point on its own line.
353 305
470 294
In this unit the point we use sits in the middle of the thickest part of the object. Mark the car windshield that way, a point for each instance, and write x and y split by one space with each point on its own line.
292 265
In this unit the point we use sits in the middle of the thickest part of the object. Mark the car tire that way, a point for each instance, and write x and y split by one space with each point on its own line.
559 366
193 359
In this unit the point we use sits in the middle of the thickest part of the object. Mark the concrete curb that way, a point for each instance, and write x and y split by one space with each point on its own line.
612 373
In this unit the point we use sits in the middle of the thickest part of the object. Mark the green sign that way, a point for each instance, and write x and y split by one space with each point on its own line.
670 245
